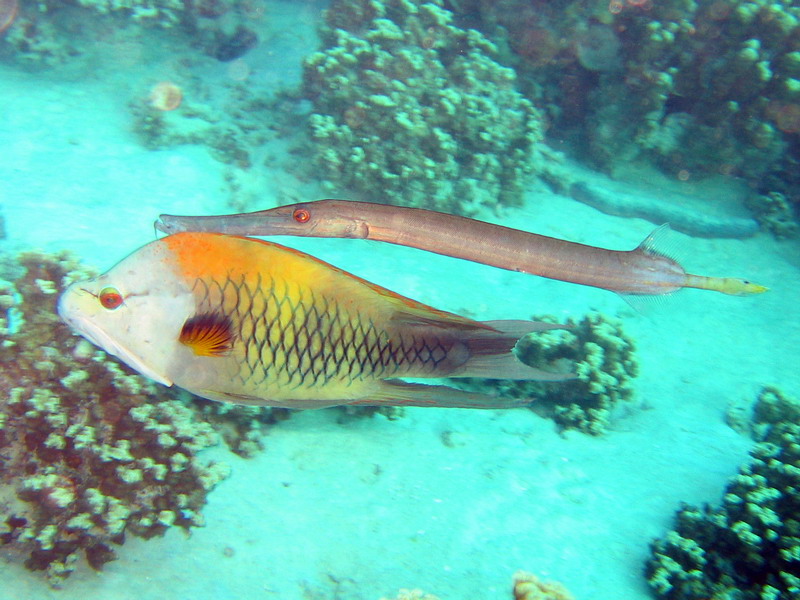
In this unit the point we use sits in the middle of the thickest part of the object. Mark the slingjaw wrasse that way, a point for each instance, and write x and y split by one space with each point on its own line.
251 322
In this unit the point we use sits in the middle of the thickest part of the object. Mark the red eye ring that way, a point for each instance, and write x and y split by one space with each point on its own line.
301 215
110 298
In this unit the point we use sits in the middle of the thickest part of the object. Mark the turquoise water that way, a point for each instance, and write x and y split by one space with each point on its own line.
449 501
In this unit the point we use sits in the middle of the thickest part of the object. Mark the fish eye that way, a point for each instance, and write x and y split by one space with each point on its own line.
301 215
110 298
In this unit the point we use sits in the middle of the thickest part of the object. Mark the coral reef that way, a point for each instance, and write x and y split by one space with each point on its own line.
201 123
710 80
166 13
775 214
52 33
526 586
529 587
697 87
411 110
240 129
414 594
749 547
599 352
241 427
90 451
604 362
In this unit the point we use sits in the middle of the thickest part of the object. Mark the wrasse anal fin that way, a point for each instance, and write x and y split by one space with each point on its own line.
401 393
208 334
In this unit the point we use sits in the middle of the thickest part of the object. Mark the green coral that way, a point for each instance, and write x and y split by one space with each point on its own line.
91 451
410 109
749 547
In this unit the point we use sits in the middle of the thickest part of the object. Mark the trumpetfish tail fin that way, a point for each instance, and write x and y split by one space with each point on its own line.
726 285
660 242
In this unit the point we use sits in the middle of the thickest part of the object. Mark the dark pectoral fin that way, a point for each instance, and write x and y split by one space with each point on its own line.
208 334
401 393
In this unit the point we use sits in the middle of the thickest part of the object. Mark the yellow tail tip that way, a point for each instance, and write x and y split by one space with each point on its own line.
725 285
739 287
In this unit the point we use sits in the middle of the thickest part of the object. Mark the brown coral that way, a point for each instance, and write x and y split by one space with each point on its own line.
90 451
601 355
529 587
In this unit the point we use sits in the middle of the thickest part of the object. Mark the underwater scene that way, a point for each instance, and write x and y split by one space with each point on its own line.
480 220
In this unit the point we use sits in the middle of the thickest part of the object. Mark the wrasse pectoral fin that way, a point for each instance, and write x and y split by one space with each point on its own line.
401 393
208 334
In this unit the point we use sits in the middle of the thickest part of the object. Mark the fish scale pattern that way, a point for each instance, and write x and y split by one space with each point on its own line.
290 336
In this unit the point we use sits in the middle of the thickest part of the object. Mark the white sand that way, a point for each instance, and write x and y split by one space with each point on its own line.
361 509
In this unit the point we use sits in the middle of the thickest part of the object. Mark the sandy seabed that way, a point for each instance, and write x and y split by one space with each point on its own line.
360 509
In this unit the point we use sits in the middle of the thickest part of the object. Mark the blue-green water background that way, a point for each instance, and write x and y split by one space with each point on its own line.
361 509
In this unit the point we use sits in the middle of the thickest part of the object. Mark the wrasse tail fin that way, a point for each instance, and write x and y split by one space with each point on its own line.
492 352
401 393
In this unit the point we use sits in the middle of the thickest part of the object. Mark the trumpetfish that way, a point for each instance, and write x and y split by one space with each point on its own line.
643 271
247 321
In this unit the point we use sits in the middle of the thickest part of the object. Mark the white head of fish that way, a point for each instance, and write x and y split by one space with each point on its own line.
143 329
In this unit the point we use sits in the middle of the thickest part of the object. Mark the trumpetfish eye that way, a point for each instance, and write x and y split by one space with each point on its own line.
110 298
301 215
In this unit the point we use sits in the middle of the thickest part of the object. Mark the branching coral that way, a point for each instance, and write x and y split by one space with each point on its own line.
241 427
412 110
604 362
749 547
90 451
601 355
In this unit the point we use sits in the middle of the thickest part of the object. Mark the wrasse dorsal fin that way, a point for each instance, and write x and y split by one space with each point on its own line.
430 317
208 334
